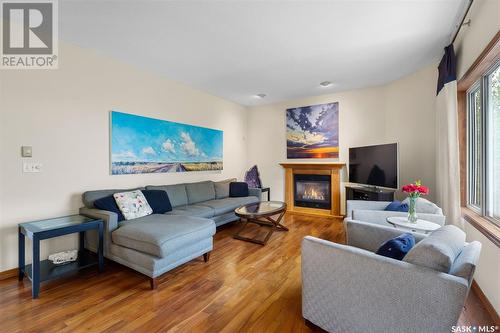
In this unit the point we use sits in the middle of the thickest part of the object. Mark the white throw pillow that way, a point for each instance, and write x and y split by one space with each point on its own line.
132 204
424 206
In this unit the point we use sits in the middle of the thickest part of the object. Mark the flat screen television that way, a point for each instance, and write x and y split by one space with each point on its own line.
374 165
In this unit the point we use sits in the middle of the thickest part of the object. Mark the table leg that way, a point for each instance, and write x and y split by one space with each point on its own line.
35 268
21 254
244 222
269 194
269 233
81 238
100 251
277 223
276 226
272 224
247 239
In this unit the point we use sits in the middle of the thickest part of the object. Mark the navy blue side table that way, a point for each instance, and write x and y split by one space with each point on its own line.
268 190
45 270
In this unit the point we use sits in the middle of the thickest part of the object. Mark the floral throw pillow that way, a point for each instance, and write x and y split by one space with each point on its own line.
132 204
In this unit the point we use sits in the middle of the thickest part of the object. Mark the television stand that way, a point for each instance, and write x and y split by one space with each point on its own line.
370 193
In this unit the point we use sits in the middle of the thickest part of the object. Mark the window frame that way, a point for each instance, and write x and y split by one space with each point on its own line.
481 85
471 126
488 127
485 60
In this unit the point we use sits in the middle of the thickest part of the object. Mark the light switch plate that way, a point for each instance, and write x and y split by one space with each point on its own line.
26 151
32 167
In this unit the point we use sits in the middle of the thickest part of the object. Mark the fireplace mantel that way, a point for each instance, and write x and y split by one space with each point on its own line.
317 165
332 169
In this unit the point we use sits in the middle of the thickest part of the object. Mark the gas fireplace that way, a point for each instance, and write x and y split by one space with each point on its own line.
313 188
312 191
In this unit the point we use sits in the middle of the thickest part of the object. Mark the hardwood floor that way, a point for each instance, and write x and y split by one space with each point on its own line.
244 287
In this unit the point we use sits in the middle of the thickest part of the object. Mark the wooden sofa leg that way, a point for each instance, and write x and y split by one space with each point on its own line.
206 256
153 282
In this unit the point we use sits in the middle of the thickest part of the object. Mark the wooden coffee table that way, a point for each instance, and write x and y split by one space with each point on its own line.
265 214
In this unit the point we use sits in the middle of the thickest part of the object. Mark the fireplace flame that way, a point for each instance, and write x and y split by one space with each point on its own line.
312 194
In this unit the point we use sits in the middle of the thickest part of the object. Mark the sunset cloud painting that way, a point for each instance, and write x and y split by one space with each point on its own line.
313 131
146 145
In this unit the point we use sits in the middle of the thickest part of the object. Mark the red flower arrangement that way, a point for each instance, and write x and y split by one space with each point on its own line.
416 189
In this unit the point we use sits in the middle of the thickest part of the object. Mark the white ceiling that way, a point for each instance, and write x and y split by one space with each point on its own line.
236 49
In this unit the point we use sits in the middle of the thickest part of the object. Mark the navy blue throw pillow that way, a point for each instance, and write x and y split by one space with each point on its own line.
158 200
397 206
397 247
238 189
108 203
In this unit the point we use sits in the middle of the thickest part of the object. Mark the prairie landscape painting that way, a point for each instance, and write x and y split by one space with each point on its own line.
146 145
313 131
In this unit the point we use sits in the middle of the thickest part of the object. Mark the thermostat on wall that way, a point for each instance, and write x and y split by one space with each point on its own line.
26 151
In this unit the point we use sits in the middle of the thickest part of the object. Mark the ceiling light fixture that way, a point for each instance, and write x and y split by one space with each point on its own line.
325 84
261 95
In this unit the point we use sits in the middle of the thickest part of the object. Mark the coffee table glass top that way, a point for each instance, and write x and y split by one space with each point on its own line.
261 208
55 223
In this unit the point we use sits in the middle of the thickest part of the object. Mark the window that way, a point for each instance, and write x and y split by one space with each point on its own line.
475 147
493 144
483 145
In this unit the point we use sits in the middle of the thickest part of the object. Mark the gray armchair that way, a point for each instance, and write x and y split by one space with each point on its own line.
374 211
349 288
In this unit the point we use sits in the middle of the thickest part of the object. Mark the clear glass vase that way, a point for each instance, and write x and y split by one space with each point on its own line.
412 212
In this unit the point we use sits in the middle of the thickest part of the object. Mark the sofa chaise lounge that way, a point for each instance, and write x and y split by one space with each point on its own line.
157 243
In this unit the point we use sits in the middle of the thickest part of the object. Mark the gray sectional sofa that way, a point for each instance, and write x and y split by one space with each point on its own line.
157 243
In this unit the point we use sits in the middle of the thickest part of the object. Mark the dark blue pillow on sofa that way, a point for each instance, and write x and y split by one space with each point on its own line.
238 189
108 203
158 200
397 247
397 206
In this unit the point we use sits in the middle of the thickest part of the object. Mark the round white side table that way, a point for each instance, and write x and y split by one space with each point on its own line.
421 226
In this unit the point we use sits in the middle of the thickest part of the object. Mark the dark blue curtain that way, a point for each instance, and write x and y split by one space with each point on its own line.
447 68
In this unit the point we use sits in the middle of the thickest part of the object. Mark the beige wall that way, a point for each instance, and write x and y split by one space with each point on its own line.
485 23
471 41
402 111
487 273
410 120
64 115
